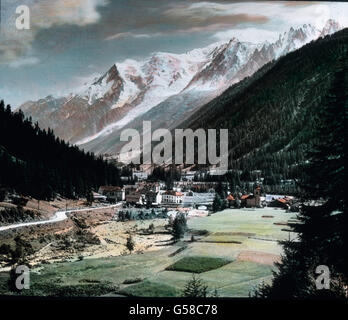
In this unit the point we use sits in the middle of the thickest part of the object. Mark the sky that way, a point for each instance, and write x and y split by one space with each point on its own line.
70 42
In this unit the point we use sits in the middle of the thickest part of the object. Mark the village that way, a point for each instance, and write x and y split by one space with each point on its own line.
194 198
140 223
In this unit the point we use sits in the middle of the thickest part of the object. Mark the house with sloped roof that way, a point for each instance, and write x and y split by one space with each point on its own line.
172 197
134 198
252 200
153 197
98 197
284 203
112 193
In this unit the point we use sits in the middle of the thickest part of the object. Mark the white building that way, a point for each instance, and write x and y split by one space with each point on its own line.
188 176
272 197
172 197
192 199
113 193
141 175
98 197
135 198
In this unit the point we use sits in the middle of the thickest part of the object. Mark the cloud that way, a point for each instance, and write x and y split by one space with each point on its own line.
256 13
207 13
123 35
141 19
17 44
75 12
254 35
299 3
27 61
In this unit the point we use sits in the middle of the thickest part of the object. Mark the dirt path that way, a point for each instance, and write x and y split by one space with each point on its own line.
59 216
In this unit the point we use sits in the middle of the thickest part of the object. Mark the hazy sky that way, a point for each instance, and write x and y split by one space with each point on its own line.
71 41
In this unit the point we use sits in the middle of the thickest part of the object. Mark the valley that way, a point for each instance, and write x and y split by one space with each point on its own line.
231 182
245 238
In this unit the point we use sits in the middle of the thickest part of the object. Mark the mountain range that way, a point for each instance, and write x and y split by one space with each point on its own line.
271 115
165 88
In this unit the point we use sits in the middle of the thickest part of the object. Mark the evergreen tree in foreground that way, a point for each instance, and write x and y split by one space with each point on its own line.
195 288
323 229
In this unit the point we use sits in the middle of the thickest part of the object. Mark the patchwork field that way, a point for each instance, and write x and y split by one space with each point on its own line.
198 264
236 256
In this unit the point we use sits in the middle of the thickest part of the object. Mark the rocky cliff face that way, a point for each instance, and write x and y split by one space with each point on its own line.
165 88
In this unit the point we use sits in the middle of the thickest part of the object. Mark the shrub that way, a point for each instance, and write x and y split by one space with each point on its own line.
151 228
5 249
132 281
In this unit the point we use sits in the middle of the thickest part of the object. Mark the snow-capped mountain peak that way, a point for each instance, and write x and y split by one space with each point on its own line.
131 88
330 27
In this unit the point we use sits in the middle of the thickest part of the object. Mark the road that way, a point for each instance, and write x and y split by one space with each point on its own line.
58 216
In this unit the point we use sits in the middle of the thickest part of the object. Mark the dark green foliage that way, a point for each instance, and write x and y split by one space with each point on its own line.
271 115
195 288
132 281
323 232
82 290
198 264
34 162
215 294
129 215
2 194
89 197
179 226
221 189
17 215
218 203
22 250
169 176
151 228
149 288
130 243
20 201
5 249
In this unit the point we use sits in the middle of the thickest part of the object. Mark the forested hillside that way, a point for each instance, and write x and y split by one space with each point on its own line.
322 233
34 162
270 115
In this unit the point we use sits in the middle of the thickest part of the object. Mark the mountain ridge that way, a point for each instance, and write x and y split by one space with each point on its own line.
270 116
133 89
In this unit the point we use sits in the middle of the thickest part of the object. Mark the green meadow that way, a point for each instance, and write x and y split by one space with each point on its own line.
233 259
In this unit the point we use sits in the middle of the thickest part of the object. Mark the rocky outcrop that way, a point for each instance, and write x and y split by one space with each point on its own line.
165 87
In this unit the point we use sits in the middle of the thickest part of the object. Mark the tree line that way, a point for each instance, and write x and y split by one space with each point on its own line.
271 115
322 233
34 162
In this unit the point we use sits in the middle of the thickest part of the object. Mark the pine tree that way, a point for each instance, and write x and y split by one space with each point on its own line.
322 232
90 197
217 203
195 288
130 243
179 226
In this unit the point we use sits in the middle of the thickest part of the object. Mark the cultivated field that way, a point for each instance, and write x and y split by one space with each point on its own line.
238 253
